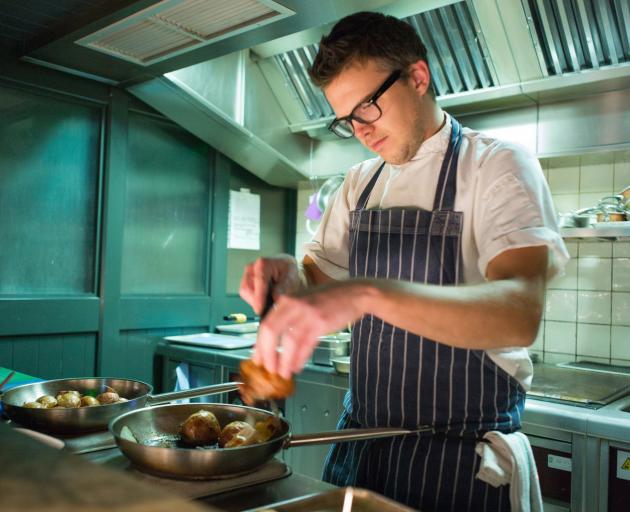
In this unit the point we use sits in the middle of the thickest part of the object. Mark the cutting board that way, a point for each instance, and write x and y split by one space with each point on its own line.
212 340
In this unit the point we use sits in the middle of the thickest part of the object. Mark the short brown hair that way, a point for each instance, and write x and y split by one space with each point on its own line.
363 36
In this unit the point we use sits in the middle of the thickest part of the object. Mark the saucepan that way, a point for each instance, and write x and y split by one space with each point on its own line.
149 439
89 419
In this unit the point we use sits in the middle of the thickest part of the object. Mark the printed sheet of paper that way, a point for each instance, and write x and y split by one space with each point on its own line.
244 220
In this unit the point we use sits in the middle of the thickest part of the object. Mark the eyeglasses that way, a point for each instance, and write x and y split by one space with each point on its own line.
365 112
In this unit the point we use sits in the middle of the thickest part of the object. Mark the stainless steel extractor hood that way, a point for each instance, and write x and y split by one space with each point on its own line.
235 72
261 109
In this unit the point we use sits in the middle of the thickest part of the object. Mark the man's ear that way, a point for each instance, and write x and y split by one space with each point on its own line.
420 76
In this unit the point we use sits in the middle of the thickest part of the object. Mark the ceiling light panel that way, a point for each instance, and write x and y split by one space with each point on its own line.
172 27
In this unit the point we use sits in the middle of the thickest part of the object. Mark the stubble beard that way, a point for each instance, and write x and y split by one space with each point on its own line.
414 140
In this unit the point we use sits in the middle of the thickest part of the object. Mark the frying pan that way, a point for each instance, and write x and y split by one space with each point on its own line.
155 449
89 419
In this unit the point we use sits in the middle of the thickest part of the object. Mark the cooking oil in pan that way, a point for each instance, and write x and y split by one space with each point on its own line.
175 441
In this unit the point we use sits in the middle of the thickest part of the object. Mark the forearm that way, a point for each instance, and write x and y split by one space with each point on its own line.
503 313
311 275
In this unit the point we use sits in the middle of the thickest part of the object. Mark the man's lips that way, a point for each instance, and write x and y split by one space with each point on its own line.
378 144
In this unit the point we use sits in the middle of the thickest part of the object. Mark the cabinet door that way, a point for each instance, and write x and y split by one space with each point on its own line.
313 408
618 479
198 375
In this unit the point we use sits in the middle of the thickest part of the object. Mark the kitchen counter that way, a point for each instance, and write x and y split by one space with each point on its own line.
246 496
610 421
36 477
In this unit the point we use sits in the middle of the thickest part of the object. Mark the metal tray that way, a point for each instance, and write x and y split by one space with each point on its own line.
341 364
344 499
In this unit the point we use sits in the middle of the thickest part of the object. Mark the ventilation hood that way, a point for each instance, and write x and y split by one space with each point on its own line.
234 72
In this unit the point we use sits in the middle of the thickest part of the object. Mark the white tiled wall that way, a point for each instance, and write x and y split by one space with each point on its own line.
587 311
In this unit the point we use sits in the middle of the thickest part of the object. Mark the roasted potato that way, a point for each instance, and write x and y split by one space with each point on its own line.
259 384
200 428
89 401
237 433
266 429
47 401
69 400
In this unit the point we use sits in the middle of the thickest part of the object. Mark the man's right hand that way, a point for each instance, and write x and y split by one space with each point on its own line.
282 271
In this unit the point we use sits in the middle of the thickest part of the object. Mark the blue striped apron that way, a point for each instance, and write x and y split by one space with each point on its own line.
400 379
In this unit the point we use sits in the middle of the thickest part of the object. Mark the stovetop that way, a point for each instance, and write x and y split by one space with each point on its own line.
586 384
274 469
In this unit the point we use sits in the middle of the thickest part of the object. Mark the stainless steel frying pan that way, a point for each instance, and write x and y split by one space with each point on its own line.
89 419
156 451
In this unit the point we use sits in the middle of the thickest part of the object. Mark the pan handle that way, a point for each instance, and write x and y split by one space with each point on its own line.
349 434
191 393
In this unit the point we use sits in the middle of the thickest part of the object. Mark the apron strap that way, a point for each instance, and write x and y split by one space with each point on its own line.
365 195
447 183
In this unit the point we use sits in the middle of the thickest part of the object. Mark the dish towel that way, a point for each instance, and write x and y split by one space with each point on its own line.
508 459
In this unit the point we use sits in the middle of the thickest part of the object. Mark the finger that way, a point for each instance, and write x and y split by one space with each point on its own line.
289 351
276 326
246 289
260 281
305 351
266 353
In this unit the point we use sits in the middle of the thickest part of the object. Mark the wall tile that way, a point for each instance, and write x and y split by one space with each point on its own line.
621 274
544 165
572 248
569 280
593 340
560 337
564 175
597 173
620 342
620 362
621 250
594 359
622 170
589 199
539 342
598 249
621 308
555 358
594 273
565 203
594 307
561 305
537 356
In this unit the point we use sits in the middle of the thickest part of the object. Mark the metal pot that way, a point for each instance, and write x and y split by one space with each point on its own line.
155 448
89 419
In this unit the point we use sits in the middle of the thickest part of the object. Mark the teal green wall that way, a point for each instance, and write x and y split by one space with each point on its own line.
113 228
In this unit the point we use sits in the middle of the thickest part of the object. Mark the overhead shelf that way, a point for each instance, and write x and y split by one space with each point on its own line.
612 231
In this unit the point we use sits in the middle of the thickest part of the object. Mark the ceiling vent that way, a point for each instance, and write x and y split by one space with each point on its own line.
577 35
172 27
456 50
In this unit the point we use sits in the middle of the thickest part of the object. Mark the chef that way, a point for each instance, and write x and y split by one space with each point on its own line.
438 251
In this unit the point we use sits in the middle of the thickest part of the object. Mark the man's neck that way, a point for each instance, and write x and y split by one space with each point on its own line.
436 123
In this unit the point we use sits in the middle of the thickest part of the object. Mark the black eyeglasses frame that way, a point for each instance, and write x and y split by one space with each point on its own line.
347 120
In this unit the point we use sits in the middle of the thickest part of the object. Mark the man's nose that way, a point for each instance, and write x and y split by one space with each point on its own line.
361 130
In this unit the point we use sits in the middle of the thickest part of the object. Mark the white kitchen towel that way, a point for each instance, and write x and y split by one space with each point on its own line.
182 383
508 459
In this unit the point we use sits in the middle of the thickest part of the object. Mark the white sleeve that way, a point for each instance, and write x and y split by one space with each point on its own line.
515 208
329 247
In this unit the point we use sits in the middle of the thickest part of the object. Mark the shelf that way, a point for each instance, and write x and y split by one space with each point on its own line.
608 233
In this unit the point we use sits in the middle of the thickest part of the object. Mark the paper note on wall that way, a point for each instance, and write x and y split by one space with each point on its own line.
244 220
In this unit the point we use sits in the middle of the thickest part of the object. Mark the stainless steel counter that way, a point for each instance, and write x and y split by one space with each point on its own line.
583 439
610 421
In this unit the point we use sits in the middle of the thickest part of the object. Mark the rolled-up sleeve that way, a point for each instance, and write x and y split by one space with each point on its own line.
514 209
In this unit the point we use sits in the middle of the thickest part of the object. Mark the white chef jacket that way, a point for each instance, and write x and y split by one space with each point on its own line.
500 189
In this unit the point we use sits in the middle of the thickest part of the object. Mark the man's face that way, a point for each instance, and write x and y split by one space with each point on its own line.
398 133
